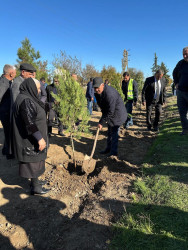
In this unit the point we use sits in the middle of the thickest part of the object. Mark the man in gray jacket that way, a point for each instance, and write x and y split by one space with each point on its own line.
9 72
113 113
26 71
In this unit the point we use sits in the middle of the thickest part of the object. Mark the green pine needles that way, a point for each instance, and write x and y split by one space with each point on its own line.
71 104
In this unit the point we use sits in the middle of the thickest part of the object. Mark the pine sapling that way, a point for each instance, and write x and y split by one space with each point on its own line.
71 106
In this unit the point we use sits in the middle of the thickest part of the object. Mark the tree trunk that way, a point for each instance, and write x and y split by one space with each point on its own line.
72 143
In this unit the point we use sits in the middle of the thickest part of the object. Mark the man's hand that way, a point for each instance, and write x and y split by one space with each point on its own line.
42 144
99 126
92 99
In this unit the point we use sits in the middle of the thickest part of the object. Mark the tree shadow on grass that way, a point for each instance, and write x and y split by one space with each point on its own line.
150 227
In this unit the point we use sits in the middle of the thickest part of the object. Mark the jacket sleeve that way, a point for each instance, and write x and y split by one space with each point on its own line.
90 90
28 114
144 90
135 91
48 93
123 87
16 87
3 87
110 103
43 93
176 72
164 91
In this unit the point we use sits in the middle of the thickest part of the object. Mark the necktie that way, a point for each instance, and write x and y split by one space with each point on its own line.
157 91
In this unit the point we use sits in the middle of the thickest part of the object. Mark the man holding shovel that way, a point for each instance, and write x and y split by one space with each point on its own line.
113 113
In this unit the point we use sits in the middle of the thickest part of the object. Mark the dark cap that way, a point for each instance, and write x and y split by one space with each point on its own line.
97 81
27 67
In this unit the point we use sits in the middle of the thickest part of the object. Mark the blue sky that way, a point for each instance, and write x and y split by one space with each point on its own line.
97 31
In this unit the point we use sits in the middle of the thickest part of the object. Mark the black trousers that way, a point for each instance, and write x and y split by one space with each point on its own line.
5 120
51 116
158 111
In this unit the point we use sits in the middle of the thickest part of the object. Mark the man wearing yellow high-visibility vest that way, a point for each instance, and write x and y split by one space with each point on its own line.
130 90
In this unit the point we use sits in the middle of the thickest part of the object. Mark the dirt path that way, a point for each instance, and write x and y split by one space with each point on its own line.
78 211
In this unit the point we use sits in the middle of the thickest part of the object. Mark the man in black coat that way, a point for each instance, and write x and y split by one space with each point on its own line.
113 113
52 113
154 94
9 72
180 75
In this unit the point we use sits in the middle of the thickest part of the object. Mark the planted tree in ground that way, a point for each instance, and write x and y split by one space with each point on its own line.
71 105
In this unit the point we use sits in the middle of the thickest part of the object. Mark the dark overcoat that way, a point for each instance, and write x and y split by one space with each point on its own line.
112 107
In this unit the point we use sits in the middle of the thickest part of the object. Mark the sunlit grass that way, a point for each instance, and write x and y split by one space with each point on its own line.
158 215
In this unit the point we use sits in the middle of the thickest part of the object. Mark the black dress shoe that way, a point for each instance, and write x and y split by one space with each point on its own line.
42 191
106 151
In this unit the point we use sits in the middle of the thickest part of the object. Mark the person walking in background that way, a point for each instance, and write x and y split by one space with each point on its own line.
113 113
30 134
43 94
9 73
90 95
52 113
180 76
130 91
95 105
26 71
154 94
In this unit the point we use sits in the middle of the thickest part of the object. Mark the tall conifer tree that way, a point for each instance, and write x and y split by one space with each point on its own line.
155 66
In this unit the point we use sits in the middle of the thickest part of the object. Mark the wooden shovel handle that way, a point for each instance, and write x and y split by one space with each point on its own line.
94 145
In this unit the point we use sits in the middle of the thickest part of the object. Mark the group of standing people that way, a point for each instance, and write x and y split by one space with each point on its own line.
23 116
116 112
24 103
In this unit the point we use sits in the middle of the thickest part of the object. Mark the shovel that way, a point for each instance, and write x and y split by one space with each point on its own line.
89 163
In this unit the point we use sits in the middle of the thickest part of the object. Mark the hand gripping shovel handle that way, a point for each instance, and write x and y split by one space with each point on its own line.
94 145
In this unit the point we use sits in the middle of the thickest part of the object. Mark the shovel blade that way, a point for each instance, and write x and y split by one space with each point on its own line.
88 166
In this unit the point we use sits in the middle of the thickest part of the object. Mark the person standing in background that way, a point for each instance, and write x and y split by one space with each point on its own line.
90 95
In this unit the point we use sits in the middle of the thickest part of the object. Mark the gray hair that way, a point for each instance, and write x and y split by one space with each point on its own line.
7 68
36 81
186 48
160 72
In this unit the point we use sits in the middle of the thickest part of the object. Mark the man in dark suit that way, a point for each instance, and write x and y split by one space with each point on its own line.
113 113
9 73
154 93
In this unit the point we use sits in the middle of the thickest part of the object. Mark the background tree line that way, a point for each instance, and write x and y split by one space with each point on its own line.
73 65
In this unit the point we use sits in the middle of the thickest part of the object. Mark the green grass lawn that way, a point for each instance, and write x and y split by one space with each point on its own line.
158 215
